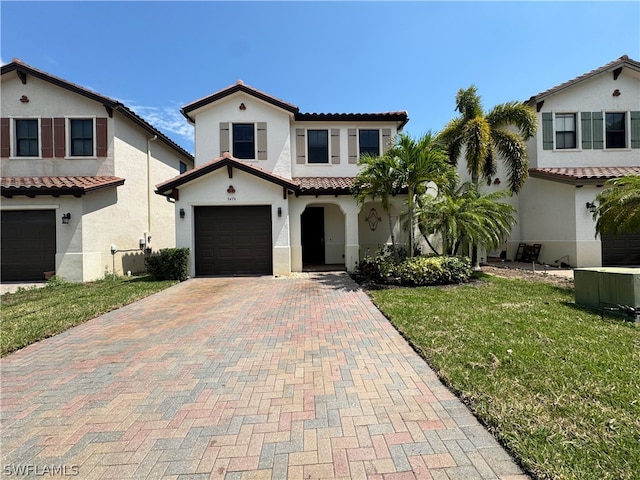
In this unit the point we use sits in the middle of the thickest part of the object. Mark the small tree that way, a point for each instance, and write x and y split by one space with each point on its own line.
464 214
619 207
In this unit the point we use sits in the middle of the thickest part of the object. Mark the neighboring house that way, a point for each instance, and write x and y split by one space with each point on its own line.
588 133
78 173
270 191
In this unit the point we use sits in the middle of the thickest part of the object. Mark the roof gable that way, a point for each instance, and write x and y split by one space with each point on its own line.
167 188
238 87
23 72
615 68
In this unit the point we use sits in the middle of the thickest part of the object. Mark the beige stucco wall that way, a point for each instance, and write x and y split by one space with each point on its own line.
117 216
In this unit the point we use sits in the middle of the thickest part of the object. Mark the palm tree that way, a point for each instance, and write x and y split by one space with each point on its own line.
378 178
464 214
486 136
619 207
419 162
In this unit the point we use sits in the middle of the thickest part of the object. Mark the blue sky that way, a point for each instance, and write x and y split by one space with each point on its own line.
324 57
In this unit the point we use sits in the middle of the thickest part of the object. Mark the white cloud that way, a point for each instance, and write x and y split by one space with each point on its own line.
168 120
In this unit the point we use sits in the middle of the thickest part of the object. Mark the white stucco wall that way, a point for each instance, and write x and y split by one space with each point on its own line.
104 217
211 190
207 131
592 95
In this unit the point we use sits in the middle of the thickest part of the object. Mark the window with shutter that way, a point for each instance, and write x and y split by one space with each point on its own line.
585 119
616 131
565 130
262 140
46 130
369 142
547 131
597 130
301 157
5 139
318 146
27 139
352 145
224 137
335 145
244 146
81 137
635 129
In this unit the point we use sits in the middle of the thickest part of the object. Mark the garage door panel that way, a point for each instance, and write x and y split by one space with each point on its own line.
621 250
233 240
28 244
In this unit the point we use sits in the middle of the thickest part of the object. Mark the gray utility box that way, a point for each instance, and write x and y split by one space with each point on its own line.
602 287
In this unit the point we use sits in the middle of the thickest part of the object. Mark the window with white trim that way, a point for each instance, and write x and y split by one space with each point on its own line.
27 140
81 137
565 126
615 130
244 145
318 146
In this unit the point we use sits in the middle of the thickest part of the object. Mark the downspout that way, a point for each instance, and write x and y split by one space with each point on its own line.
149 188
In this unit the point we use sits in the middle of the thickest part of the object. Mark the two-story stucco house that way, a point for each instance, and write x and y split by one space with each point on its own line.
270 191
589 132
78 176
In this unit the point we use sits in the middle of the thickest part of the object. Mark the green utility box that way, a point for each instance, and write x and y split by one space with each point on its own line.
603 287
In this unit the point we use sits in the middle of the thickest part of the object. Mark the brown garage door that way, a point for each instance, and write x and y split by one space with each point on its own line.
28 244
233 240
621 250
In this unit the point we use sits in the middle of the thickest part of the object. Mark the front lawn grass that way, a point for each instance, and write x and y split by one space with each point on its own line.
559 386
29 315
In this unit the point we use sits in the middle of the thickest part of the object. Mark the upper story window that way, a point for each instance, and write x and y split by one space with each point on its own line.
565 130
27 138
616 132
369 141
81 137
318 146
244 141
183 167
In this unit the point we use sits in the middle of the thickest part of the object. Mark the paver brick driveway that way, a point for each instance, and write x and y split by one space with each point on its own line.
239 378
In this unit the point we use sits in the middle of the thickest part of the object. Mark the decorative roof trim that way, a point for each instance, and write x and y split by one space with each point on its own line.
582 175
22 70
402 117
615 67
166 188
56 186
238 87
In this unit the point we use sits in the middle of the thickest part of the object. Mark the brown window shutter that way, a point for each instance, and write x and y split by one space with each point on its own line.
262 140
224 137
335 146
301 156
386 139
101 137
353 145
5 140
46 127
59 138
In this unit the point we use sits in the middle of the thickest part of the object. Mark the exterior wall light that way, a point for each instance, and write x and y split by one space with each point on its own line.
65 218
182 214
591 207
279 211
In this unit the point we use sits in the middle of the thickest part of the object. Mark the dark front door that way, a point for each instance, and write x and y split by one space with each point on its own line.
233 240
313 236
28 244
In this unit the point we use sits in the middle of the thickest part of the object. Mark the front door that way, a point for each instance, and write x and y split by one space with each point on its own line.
313 236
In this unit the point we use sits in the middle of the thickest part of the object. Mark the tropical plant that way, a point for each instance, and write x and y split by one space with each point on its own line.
419 162
378 178
465 214
486 136
619 207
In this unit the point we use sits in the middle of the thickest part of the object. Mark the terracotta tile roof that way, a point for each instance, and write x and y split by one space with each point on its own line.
165 188
239 86
23 70
76 186
324 185
623 61
583 175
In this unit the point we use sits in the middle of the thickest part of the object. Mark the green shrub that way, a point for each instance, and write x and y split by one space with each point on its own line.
169 264
434 270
